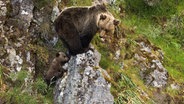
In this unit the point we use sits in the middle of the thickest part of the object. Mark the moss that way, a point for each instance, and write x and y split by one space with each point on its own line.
41 52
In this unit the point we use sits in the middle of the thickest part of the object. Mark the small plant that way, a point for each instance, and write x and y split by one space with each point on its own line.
40 86
16 96
18 78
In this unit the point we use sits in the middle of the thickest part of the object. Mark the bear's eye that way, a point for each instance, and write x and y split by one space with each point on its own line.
65 56
57 54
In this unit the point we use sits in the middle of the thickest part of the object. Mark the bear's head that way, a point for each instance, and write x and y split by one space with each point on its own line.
106 22
61 57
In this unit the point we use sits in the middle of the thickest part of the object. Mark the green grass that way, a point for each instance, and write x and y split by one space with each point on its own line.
170 46
173 55
79 2
169 40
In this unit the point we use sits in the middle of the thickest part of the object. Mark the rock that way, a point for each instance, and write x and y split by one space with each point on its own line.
117 55
175 86
84 82
14 34
159 79
43 24
55 12
149 59
11 55
14 59
3 9
22 12
151 2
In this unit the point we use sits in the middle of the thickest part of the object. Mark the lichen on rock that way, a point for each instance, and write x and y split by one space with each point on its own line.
149 58
84 82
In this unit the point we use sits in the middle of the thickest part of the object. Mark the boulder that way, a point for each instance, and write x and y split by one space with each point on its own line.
84 82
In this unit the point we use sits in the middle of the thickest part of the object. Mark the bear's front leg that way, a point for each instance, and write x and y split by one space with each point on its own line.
75 46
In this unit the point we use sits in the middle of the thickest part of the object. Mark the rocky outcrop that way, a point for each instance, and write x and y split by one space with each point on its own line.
22 13
13 35
23 30
149 58
15 20
84 82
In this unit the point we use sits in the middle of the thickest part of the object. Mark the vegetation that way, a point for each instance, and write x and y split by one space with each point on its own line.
21 90
161 24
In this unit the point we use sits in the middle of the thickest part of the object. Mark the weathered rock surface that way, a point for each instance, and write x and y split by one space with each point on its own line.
15 20
42 24
149 58
13 32
84 82
22 13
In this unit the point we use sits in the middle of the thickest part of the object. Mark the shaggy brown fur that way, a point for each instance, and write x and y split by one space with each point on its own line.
55 70
76 26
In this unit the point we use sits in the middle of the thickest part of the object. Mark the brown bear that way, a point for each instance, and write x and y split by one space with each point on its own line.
76 26
107 24
56 70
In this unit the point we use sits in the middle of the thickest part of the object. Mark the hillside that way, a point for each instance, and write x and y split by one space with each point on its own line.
144 58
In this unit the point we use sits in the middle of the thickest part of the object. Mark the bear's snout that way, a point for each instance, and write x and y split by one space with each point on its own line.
65 59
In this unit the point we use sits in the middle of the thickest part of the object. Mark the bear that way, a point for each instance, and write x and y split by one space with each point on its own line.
106 24
76 26
56 70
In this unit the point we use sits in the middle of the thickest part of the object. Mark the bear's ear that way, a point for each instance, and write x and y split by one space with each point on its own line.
116 22
57 54
103 6
103 17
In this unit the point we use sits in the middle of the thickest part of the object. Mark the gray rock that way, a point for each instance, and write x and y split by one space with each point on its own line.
159 78
3 8
43 24
84 82
15 60
16 24
150 62
55 12
151 2
22 12
117 54
175 86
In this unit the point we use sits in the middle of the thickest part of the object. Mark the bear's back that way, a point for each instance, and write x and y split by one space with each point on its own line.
75 11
